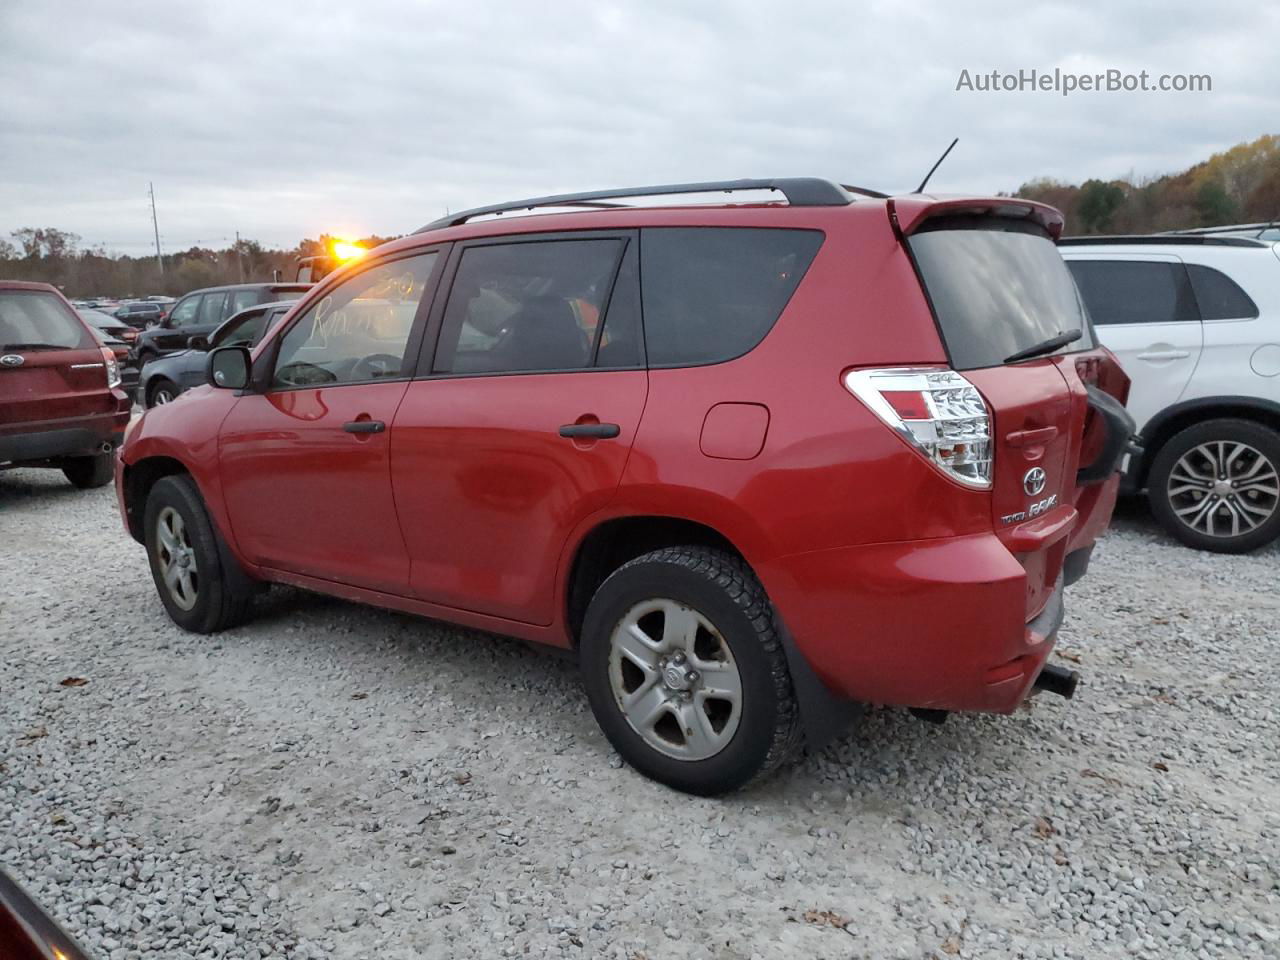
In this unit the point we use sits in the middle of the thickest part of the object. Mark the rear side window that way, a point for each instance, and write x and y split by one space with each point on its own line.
996 288
1135 291
529 306
712 293
34 320
244 298
1219 297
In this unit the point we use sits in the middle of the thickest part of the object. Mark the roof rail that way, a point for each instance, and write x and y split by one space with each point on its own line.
1228 228
799 191
1165 239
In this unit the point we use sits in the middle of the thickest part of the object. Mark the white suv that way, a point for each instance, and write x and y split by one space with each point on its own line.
1195 321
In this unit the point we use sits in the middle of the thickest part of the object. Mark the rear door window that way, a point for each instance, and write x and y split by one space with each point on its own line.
997 287
32 320
211 308
530 306
240 299
1135 291
712 293
1219 297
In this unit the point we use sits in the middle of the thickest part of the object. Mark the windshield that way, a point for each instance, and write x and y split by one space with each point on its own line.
997 288
35 320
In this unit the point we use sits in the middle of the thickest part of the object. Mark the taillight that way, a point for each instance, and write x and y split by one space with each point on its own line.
113 368
937 411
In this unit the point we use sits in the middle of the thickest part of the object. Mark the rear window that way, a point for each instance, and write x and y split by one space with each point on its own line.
35 320
1135 291
996 288
273 294
712 293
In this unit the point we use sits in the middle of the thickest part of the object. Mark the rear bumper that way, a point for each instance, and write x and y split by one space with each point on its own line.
77 437
933 624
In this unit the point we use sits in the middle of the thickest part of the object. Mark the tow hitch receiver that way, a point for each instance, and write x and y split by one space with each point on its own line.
1057 680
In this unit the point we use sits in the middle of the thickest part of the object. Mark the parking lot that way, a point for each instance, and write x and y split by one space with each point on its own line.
333 780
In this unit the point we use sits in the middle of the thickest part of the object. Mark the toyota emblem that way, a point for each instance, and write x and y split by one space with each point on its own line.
12 360
1033 481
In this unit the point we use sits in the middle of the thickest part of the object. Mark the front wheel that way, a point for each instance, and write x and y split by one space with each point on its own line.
86 473
1215 485
163 391
685 672
200 585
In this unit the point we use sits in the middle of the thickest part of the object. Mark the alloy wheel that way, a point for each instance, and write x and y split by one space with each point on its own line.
674 679
177 559
1223 488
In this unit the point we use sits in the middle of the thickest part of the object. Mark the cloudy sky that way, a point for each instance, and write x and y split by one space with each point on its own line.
283 120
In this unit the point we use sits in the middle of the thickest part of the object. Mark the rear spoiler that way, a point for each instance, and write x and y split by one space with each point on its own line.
909 213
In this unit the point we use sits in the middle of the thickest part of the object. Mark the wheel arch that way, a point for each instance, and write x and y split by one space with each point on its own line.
138 479
1170 421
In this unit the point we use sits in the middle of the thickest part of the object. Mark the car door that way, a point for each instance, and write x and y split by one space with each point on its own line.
520 426
1144 310
305 463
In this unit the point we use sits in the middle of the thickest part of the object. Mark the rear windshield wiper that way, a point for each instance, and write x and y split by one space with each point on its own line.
1046 346
35 346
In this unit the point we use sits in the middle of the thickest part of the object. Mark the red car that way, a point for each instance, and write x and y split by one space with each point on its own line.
755 463
60 399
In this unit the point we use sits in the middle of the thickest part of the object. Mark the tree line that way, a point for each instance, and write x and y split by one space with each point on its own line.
54 256
1240 185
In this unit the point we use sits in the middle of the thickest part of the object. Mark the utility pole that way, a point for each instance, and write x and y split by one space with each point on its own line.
239 262
155 225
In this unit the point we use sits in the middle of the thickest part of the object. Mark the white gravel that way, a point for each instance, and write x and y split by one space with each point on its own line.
332 780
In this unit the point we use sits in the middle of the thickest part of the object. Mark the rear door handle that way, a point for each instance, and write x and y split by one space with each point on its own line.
364 426
595 431
1164 355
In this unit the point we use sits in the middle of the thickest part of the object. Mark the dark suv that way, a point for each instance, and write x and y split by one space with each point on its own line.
200 312
139 314
754 463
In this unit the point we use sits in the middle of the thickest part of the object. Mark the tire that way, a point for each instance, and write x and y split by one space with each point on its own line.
216 593
1247 492
712 603
86 473
160 392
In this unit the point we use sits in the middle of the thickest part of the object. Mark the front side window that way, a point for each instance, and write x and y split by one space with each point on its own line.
244 332
1135 291
712 293
185 312
528 306
359 331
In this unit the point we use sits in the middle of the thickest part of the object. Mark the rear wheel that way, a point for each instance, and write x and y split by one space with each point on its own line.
160 392
202 588
1215 485
685 672
89 472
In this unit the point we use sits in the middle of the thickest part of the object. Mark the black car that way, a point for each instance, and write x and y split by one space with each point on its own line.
166 377
109 324
200 312
124 360
140 313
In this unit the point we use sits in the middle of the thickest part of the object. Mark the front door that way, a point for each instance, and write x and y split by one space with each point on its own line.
524 426
305 465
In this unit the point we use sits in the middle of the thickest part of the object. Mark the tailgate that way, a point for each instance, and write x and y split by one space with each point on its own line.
1008 313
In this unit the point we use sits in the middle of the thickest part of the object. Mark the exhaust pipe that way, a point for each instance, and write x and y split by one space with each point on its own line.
1057 680
107 447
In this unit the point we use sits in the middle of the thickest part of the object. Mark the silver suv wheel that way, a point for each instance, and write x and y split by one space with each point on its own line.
1223 488
177 558
675 680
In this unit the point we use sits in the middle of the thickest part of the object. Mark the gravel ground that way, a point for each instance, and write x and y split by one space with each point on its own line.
332 780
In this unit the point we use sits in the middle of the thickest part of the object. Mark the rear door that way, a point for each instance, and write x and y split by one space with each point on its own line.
998 287
1144 309
51 366
522 428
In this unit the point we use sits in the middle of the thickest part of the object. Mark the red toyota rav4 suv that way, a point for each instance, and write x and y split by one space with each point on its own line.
60 399
754 462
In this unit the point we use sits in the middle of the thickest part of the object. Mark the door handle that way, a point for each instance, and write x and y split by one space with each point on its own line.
1164 355
594 431
364 426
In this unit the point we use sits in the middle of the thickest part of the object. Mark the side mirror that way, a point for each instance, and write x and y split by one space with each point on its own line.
197 342
229 368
